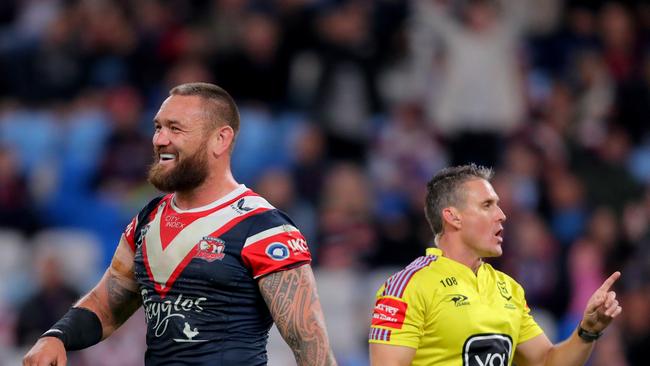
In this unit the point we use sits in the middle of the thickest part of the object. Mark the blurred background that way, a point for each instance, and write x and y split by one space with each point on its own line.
348 107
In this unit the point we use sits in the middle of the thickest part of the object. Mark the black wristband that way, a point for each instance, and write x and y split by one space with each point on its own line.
78 329
588 336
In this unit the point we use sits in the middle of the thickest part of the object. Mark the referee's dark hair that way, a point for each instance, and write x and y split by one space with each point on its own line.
444 190
221 107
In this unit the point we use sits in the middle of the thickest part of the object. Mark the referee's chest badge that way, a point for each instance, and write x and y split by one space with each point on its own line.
458 299
503 290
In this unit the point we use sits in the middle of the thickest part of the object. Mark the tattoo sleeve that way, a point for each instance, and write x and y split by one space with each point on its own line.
293 302
122 300
116 297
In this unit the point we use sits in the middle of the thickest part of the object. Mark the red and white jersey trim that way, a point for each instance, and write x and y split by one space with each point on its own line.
241 189
164 263
275 249
282 229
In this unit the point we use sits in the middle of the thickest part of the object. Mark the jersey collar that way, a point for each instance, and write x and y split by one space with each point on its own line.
434 251
234 193
438 252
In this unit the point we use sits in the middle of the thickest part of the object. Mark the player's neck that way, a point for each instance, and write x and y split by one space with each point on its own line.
215 187
456 251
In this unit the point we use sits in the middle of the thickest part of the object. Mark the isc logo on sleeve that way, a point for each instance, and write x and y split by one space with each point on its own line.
487 350
277 251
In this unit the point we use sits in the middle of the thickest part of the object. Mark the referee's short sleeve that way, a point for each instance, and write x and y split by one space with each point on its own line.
399 315
529 328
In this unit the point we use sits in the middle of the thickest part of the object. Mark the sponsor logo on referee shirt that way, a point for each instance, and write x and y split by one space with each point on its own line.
389 312
487 350
458 299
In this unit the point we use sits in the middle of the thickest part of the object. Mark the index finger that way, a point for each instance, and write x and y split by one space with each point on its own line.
610 281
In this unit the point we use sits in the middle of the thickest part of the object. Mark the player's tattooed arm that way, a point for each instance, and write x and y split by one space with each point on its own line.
293 301
115 298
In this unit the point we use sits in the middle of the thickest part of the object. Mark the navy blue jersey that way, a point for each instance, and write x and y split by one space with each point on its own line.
197 270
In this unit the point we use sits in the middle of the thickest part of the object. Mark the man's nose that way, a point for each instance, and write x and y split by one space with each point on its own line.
160 138
501 215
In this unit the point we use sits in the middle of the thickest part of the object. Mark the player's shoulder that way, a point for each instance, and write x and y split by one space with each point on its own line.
254 212
154 203
133 230
266 219
250 201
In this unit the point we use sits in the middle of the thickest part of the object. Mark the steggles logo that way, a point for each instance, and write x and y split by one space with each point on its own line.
159 313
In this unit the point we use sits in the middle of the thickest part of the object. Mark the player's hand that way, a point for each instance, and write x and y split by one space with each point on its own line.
48 351
602 307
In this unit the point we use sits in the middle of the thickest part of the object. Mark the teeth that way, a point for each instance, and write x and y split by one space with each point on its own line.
167 156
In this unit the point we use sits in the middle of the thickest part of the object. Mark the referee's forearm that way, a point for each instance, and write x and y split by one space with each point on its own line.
571 352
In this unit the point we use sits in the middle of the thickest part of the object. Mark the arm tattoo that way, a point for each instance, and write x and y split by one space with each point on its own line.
293 302
115 298
122 302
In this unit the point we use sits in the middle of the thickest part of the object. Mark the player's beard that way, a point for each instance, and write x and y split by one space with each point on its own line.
189 172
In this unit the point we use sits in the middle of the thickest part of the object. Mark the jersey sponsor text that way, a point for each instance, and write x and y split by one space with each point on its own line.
159 314
389 313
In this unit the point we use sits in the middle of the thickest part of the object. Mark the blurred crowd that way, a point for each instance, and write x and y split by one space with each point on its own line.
348 107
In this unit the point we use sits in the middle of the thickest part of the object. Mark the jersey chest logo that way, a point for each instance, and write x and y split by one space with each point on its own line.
458 299
503 290
211 249
487 350
164 263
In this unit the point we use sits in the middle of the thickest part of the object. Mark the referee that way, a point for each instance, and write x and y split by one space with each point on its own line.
450 308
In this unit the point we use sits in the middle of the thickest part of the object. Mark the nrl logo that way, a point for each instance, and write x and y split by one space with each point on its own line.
211 249
503 290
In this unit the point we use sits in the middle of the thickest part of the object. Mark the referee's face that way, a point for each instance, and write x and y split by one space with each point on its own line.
481 219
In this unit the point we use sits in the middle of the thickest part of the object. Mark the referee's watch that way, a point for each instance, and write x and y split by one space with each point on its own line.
588 336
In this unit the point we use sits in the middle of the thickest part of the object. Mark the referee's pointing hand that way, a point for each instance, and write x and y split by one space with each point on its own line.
602 307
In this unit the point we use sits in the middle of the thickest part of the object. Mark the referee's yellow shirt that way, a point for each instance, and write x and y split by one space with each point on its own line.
452 316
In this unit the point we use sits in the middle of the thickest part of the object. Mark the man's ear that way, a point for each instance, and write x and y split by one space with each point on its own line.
452 217
222 140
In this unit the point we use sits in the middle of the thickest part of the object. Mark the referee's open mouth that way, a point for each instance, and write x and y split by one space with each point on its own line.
499 235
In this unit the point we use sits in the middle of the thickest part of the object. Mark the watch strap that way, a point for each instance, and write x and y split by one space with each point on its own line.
588 336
